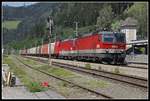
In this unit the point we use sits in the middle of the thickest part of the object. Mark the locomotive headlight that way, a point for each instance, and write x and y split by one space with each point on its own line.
97 46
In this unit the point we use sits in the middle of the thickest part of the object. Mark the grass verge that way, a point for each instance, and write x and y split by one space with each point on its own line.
10 24
63 87
32 85
51 70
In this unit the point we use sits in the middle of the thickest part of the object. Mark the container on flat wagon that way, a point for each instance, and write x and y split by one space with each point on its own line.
52 48
33 50
37 50
45 49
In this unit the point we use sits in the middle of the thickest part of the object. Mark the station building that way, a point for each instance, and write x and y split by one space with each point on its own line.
129 27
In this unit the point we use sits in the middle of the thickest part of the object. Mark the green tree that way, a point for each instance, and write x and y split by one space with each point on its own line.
115 26
105 17
139 11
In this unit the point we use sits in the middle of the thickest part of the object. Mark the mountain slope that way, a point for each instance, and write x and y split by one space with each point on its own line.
33 20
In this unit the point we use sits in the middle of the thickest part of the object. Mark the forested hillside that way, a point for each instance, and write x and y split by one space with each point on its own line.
91 16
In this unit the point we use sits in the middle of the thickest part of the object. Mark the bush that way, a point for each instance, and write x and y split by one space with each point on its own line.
88 66
64 84
36 87
99 68
116 71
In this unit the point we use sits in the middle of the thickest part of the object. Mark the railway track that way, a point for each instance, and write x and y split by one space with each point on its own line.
132 80
69 82
137 65
134 64
129 65
142 65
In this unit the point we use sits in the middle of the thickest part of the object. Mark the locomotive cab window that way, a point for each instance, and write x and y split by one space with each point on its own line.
108 38
119 37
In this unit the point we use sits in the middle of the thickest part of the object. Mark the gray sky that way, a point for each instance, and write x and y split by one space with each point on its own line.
17 4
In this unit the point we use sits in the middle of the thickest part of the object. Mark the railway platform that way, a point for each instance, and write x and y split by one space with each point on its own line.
142 58
133 70
19 91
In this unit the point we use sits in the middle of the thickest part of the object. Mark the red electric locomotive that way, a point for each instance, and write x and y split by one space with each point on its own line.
101 46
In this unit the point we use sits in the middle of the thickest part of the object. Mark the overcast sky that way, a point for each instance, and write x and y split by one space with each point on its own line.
17 4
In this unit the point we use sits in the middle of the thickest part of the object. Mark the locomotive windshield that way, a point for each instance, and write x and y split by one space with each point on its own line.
113 37
108 38
119 37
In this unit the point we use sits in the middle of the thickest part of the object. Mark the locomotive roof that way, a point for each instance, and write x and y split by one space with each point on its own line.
100 32
104 32
67 39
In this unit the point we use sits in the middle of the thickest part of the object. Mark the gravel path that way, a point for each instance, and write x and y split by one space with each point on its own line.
117 90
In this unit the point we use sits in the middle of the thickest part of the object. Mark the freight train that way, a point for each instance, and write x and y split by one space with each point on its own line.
99 46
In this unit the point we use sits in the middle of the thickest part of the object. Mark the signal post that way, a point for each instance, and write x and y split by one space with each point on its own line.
50 22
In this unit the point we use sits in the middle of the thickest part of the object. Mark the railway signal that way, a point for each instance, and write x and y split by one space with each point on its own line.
76 28
49 27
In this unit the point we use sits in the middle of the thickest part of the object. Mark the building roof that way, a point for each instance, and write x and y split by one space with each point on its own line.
129 22
138 42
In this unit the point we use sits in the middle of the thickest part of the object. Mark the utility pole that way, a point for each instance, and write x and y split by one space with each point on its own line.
31 50
42 41
76 28
35 47
24 49
11 51
42 45
50 22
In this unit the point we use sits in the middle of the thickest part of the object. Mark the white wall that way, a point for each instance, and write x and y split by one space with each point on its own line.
130 34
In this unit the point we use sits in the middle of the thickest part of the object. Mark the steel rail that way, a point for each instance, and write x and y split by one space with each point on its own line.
142 82
122 66
77 85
